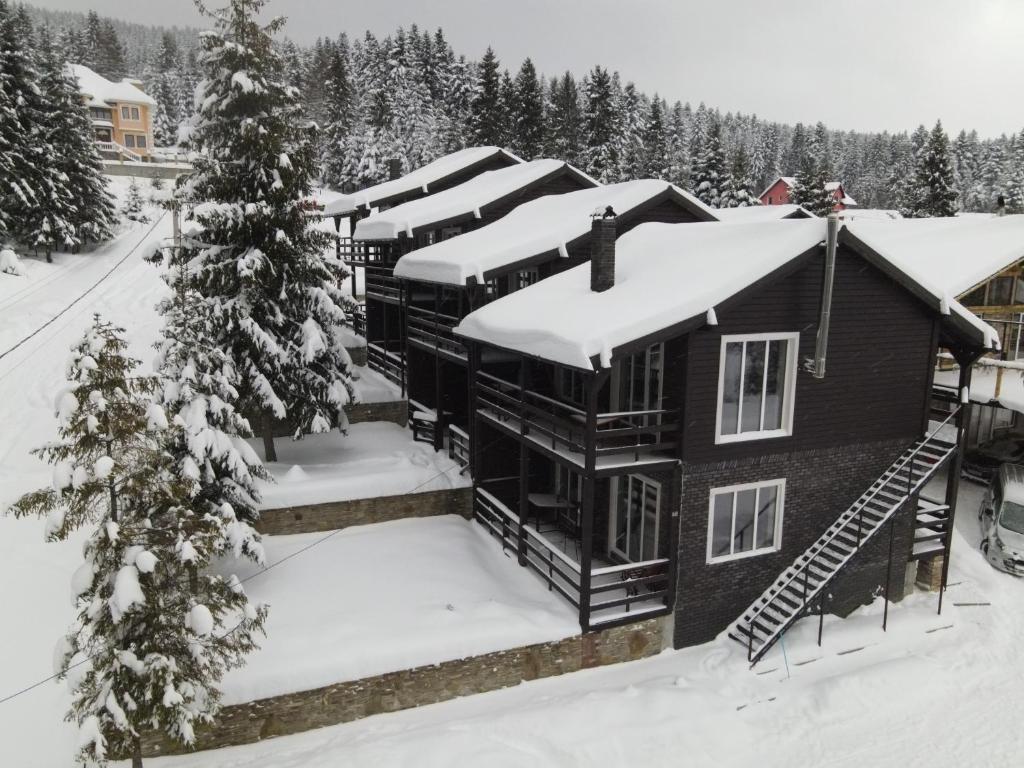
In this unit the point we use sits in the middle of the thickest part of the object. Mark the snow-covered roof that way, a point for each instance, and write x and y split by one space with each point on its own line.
954 254
545 225
420 179
463 200
665 275
100 92
876 214
752 213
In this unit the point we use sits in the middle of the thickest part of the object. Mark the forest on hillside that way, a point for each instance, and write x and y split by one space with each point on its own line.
411 95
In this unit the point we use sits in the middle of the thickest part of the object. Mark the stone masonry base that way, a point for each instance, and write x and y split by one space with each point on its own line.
333 515
929 573
343 702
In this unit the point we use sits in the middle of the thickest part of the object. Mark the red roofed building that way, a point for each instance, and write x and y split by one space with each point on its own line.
779 191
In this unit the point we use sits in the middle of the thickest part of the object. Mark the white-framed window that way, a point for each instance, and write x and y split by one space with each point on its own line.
756 386
129 140
524 278
745 520
635 521
125 112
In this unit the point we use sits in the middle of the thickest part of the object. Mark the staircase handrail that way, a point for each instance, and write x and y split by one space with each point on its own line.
837 526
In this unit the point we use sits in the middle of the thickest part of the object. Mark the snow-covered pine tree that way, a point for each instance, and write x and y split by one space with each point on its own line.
337 106
709 168
485 115
528 113
655 148
934 181
678 145
632 110
155 630
269 295
134 208
563 121
809 188
600 127
737 190
506 104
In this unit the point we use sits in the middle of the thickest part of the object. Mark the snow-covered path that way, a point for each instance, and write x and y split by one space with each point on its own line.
34 575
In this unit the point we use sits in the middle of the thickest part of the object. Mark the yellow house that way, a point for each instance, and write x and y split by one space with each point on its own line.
121 114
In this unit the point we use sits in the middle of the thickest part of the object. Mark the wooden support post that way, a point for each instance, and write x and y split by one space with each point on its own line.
473 360
953 476
888 572
524 462
673 538
441 426
587 503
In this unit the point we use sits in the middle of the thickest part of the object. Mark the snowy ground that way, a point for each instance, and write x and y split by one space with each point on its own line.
375 459
382 598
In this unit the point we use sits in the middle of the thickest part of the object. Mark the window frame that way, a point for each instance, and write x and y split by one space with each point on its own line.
126 112
788 394
615 512
780 508
129 140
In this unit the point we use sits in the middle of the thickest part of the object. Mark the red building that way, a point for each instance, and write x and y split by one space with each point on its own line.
778 193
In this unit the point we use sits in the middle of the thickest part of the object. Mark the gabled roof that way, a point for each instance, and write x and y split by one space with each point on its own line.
752 213
547 225
421 179
667 276
100 92
830 186
952 254
789 181
464 201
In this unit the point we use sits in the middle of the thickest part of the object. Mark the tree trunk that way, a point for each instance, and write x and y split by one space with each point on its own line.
137 754
269 452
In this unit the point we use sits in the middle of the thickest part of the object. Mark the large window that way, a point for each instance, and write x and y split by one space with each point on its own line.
640 381
129 140
757 378
635 520
745 520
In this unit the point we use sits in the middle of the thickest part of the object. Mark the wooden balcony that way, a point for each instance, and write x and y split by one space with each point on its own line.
382 284
620 438
617 593
356 253
433 331
387 362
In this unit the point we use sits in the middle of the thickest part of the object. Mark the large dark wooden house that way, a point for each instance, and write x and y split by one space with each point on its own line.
388 235
726 423
447 280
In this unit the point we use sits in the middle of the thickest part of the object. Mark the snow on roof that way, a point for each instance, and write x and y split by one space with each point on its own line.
540 226
752 213
954 254
421 178
464 200
664 274
876 214
101 92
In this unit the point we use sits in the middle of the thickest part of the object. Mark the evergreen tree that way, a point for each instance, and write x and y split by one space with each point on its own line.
600 127
809 189
563 123
485 115
738 188
709 169
157 629
506 105
655 148
527 114
678 145
134 208
632 112
268 296
934 179
338 98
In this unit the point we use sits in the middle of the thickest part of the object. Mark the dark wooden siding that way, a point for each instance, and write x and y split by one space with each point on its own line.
879 358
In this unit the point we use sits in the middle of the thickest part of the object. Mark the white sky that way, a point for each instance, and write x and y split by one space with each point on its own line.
860 64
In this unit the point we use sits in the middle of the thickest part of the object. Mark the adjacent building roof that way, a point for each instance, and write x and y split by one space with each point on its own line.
548 225
952 254
666 275
753 213
464 201
830 186
420 179
100 92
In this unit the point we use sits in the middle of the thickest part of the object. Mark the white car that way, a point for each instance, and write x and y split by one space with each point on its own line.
1002 520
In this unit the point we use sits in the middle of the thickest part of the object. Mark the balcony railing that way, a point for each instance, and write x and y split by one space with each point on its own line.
357 253
358 318
614 593
388 363
562 426
381 283
433 330
458 446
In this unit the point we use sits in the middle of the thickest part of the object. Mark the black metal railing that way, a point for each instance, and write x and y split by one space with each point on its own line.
422 422
563 426
381 283
357 253
616 592
358 318
458 446
433 330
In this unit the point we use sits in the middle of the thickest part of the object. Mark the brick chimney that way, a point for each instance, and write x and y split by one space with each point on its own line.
394 168
602 251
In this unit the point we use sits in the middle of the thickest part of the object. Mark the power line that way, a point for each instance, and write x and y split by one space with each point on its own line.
248 578
88 290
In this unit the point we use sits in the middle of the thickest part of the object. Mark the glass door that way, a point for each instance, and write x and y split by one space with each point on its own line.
639 383
634 518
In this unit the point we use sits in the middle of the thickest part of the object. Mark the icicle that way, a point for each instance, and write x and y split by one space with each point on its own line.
563 251
606 355
944 304
476 213
965 395
408 229
712 318
425 190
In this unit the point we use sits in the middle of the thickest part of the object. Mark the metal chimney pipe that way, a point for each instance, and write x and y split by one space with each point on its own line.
821 343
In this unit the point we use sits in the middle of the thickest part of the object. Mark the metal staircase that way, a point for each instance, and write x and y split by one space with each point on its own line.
798 588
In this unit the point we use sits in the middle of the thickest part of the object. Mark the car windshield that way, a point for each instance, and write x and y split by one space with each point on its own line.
1012 516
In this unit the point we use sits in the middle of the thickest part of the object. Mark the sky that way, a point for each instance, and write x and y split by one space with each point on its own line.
865 65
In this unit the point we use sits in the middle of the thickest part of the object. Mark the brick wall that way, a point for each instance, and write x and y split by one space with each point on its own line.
342 514
343 702
820 484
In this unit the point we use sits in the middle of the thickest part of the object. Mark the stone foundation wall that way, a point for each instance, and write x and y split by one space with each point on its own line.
330 516
343 702
358 355
395 411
